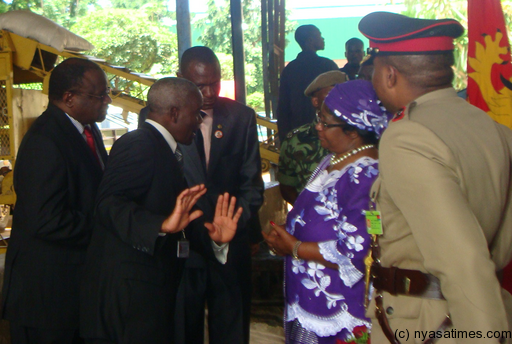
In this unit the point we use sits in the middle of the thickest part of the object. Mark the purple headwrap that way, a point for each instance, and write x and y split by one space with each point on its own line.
355 102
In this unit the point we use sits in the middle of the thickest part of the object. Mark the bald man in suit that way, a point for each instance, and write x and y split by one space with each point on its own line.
138 248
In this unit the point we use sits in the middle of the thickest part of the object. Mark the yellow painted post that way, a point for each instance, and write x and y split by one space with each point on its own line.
6 121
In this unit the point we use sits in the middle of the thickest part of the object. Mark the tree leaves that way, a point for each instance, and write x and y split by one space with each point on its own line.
132 34
128 38
216 34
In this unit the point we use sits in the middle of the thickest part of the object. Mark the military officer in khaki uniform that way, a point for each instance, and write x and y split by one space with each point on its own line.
444 193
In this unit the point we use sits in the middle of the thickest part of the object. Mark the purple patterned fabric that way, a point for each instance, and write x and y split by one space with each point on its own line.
323 302
355 102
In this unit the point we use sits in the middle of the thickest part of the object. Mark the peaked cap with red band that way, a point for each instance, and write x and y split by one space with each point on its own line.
395 34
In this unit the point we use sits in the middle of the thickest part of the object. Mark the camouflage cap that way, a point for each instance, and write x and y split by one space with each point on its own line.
325 80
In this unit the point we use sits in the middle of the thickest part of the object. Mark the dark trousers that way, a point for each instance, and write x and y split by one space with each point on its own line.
226 290
27 335
98 341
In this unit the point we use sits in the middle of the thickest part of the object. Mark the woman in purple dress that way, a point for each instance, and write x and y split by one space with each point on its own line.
325 238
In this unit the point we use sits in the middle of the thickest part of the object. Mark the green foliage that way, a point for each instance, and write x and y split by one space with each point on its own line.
256 101
155 9
226 66
63 12
216 34
507 7
24 4
129 5
29 86
129 38
130 33
4 7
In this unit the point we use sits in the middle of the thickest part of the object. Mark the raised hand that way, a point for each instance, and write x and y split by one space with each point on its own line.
181 217
224 225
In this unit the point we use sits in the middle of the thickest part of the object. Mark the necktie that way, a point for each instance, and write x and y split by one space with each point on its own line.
178 156
91 141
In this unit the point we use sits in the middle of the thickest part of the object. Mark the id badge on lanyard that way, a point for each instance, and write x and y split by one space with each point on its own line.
374 223
374 228
183 247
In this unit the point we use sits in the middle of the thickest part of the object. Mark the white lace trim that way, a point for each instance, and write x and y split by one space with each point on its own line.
349 274
324 180
324 326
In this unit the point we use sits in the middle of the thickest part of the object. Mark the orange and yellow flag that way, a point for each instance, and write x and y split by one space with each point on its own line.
489 70
489 60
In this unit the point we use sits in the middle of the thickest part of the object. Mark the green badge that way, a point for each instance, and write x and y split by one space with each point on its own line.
374 224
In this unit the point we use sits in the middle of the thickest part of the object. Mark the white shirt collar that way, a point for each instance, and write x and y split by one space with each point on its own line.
164 132
76 123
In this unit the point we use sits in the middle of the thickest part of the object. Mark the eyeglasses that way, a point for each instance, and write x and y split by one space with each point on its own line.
326 125
101 97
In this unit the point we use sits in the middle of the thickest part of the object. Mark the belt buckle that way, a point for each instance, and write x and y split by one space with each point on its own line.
407 284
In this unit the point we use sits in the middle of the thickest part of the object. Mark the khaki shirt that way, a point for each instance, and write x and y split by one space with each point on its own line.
444 191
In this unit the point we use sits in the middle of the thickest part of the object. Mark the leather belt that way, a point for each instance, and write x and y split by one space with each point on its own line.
406 282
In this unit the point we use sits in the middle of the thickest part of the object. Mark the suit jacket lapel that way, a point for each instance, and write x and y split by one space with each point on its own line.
99 143
165 153
220 123
75 138
163 144
193 168
195 173
168 173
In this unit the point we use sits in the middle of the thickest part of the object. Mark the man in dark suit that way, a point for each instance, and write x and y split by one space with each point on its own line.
225 157
294 109
56 176
135 258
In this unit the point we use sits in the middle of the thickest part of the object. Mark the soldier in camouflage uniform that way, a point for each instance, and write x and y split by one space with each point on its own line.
301 150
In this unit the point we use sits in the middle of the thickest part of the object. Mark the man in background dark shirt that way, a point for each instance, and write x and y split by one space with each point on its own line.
294 108
366 69
354 53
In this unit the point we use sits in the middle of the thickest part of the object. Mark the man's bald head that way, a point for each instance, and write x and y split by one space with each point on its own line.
171 92
175 104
